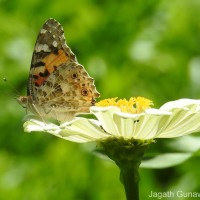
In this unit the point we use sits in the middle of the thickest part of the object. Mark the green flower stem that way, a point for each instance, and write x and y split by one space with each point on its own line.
127 154
130 179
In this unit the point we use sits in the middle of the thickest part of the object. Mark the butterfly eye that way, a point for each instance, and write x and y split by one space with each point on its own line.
74 75
84 92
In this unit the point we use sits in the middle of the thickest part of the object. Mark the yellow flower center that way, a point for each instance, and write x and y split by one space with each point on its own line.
133 105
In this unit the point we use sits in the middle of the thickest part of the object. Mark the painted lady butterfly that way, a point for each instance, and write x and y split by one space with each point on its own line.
58 86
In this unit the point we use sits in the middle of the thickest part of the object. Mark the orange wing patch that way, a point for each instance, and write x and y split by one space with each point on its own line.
52 62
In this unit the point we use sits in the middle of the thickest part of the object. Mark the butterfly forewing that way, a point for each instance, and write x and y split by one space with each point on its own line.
49 53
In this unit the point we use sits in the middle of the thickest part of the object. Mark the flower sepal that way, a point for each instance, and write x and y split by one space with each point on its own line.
124 151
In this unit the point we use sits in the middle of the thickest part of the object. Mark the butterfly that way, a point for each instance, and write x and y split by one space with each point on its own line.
58 86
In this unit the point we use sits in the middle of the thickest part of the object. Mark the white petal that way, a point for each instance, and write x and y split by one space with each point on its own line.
105 116
181 103
126 123
181 122
79 130
154 111
159 123
138 126
148 126
83 130
36 125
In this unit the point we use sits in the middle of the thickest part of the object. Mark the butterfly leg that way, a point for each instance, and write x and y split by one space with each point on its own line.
37 112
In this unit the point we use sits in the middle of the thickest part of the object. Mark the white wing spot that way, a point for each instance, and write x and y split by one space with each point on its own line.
55 44
43 31
42 47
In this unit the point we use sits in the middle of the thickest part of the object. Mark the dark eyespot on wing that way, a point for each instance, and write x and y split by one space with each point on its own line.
84 92
74 75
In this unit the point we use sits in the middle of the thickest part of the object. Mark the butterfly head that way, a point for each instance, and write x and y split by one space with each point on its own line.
23 101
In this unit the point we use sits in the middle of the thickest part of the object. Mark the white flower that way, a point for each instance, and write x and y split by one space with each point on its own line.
173 119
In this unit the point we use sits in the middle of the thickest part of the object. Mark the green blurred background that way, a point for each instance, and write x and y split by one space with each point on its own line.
147 48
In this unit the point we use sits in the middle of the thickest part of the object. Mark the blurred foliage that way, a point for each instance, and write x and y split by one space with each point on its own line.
147 48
